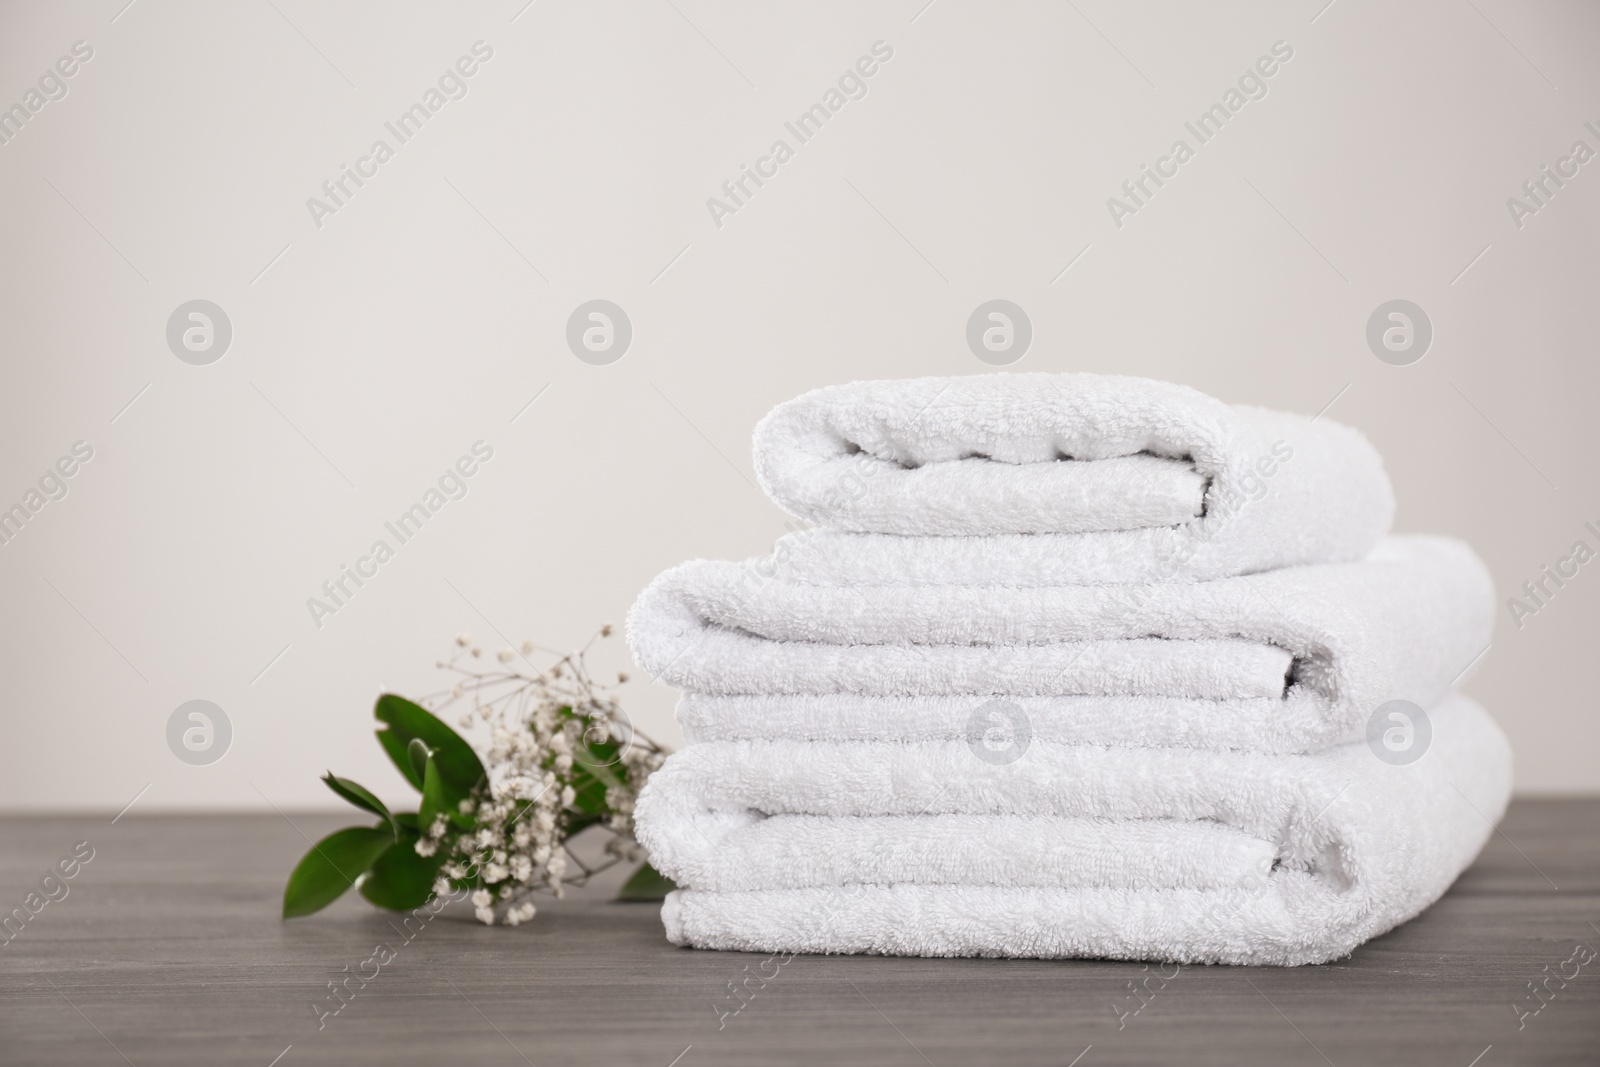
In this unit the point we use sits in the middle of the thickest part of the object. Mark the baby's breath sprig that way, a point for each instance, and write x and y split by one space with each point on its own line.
562 757
559 757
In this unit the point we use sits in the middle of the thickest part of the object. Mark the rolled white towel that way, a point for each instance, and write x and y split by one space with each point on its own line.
1146 480
1204 856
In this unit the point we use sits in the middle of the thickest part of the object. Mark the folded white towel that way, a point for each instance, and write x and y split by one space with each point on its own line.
1149 479
743 850
1324 644
1273 860
1294 722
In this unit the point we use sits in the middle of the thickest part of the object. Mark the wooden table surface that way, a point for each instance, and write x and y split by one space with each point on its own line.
167 949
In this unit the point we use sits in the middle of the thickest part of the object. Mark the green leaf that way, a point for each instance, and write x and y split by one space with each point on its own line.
593 772
400 879
407 820
434 800
588 792
331 867
601 759
395 745
417 754
405 721
362 798
647 883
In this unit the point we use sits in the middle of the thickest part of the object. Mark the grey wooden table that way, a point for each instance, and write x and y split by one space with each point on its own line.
167 949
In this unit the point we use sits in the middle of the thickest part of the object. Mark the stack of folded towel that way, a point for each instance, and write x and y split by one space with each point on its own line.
1071 665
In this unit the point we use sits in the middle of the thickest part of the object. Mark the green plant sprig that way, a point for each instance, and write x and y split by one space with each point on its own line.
564 763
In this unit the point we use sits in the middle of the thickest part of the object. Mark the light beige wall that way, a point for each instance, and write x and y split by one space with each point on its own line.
427 312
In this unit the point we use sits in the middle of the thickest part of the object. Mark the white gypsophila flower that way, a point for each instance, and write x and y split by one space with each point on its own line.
426 846
465 807
463 640
481 898
535 731
441 887
485 915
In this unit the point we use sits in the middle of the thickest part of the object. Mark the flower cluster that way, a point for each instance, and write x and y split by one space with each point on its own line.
561 757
